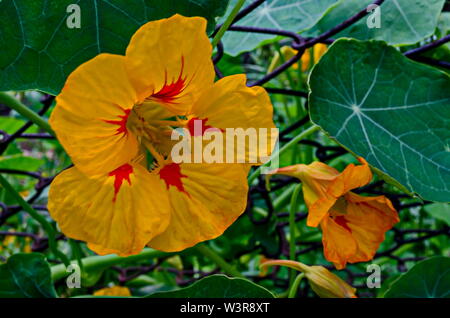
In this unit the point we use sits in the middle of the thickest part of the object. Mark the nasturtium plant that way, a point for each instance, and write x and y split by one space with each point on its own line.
179 148
388 109
42 42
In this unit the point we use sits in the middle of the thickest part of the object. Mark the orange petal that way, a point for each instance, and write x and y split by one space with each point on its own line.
352 177
369 218
316 178
117 213
338 243
206 199
169 61
91 114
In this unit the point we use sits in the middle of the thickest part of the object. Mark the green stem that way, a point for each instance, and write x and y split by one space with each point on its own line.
13 103
293 230
216 258
97 263
48 228
227 23
291 143
295 284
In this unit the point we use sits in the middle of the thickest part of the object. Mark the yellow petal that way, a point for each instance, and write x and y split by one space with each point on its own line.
169 60
91 112
231 104
338 243
369 218
208 200
118 291
116 213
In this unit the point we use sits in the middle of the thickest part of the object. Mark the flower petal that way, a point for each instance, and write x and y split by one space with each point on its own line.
369 218
316 178
91 114
117 213
206 201
169 60
230 103
338 244
352 177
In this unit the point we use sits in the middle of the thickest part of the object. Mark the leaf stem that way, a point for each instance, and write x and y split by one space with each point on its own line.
227 23
216 258
39 218
292 142
13 103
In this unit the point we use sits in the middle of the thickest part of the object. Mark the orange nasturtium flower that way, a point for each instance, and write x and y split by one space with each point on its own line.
115 116
353 226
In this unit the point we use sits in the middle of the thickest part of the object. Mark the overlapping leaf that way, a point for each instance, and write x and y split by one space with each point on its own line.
401 21
291 15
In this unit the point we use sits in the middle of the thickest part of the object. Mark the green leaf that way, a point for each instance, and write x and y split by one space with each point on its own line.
402 21
427 279
20 162
287 15
39 50
388 109
218 286
26 276
439 211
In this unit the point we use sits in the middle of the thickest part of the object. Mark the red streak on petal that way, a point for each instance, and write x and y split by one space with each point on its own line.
122 122
342 222
120 174
171 174
193 122
170 92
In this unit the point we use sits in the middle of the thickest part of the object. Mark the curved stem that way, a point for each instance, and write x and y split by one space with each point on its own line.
216 258
227 23
39 218
13 103
295 284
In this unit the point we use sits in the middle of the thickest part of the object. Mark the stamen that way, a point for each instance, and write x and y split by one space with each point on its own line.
159 158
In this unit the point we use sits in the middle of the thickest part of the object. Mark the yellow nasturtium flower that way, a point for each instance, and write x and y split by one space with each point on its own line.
116 110
353 226
114 291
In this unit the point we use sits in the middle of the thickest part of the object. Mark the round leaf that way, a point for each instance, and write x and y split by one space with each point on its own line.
388 109
427 279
